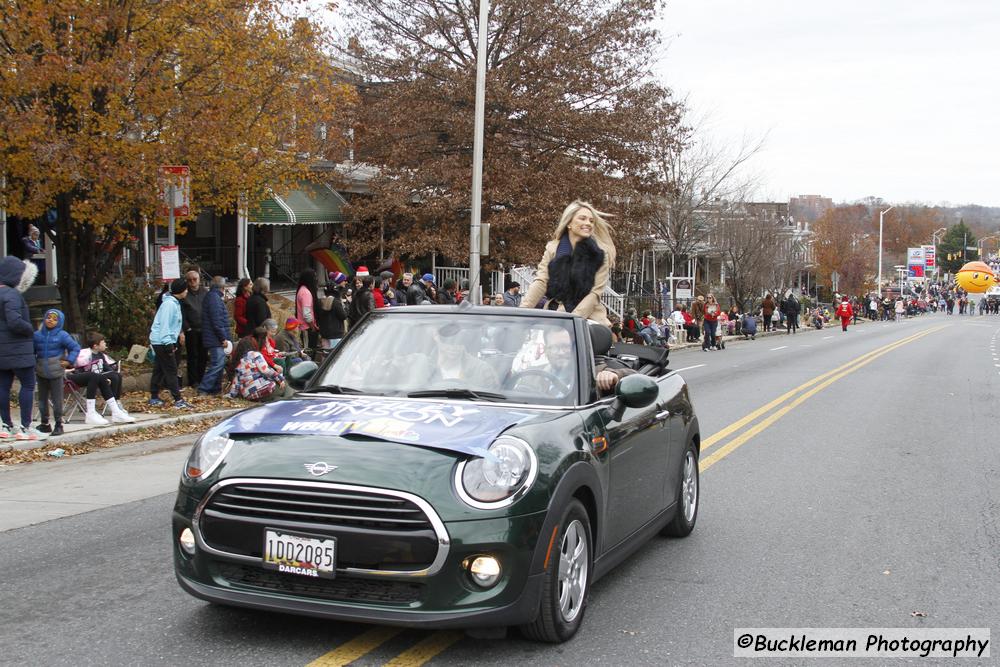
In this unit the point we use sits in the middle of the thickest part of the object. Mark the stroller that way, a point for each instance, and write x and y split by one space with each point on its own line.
749 327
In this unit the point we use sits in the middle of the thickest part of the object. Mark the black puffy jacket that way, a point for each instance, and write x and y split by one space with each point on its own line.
17 343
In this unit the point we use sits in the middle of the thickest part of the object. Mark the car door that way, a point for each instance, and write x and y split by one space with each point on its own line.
674 408
638 455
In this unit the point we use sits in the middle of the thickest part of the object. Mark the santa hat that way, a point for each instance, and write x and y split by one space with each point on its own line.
362 272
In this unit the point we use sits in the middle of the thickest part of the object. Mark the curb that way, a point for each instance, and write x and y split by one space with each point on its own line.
732 339
76 438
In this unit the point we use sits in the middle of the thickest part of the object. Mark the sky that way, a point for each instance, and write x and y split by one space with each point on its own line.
898 99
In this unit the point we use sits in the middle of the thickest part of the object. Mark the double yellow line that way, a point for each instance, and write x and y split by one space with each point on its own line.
801 393
368 641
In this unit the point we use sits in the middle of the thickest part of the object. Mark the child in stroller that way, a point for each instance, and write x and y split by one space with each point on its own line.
720 330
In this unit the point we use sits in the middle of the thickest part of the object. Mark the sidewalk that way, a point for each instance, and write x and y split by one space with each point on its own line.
78 432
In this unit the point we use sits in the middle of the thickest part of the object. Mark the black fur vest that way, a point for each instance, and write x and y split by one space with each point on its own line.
572 272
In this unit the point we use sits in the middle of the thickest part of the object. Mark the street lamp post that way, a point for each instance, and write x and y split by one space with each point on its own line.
983 240
881 215
937 258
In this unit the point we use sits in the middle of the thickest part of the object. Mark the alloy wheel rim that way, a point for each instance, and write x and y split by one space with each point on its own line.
574 560
689 487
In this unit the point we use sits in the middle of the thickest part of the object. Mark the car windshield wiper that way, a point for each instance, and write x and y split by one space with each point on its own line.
458 393
334 389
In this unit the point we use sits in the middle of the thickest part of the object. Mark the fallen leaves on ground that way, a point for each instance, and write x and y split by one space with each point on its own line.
109 441
138 402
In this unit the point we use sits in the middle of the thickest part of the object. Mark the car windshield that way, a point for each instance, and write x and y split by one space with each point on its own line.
477 356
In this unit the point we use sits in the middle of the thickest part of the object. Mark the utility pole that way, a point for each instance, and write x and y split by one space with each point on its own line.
881 215
475 291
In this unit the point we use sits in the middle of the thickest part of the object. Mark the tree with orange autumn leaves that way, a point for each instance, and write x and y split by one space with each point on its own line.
846 240
97 94
571 109
843 243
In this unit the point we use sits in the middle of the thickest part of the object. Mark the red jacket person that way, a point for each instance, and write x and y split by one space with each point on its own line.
845 312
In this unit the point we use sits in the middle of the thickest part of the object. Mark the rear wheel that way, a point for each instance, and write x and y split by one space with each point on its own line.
567 580
688 495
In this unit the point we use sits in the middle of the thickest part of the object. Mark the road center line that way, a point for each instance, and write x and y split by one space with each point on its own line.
715 456
425 649
778 348
364 643
740 423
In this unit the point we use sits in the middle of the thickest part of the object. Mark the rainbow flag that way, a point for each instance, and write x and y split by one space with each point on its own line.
333 259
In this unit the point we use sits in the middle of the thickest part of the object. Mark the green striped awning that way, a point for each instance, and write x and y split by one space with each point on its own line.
309 204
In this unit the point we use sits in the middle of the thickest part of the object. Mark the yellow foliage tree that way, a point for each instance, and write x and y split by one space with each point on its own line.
843 244
97 94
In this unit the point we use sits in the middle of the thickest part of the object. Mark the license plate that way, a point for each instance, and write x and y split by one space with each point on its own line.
310 556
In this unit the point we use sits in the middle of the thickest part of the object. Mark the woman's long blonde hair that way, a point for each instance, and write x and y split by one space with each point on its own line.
602 230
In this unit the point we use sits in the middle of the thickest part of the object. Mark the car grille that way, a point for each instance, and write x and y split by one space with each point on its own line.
346 589
373 530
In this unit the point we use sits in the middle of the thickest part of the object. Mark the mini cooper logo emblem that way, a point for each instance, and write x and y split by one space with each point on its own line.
319 468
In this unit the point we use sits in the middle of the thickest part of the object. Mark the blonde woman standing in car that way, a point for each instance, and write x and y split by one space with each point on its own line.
576 265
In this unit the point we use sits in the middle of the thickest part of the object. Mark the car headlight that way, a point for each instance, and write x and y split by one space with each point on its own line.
499 478
207 454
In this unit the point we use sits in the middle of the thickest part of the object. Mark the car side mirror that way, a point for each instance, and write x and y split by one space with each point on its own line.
301 373
633 391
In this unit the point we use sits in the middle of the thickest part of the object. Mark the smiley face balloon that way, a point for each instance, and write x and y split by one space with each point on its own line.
975 277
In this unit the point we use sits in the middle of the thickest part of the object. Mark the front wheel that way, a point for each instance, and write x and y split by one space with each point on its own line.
688 495
567 580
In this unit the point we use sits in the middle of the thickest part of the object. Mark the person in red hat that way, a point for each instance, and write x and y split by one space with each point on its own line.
845 312
289 343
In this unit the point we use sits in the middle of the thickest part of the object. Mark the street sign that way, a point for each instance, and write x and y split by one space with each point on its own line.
177 197
835 280
170 262
930 260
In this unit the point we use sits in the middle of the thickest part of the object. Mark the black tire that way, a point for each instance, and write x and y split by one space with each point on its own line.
688 496
551 625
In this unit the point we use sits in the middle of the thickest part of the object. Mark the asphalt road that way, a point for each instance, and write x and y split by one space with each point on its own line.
866 491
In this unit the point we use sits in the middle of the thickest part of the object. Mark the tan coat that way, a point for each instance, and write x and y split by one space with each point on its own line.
590 307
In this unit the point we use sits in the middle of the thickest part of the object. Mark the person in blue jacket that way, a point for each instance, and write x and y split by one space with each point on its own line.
17 349
215 335
165 336
55 351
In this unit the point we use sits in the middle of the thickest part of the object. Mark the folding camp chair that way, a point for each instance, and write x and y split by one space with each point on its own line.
74 401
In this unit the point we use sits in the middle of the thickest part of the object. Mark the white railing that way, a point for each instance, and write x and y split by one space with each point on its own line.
612 300
460 273
523 275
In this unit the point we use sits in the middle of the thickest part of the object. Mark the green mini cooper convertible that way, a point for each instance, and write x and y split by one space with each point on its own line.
445 467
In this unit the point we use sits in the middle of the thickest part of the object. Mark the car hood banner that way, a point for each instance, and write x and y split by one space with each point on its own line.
465 428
